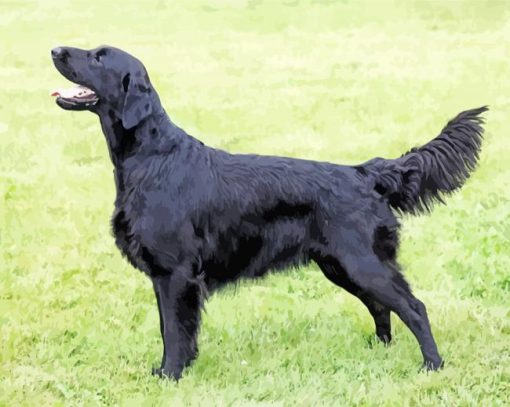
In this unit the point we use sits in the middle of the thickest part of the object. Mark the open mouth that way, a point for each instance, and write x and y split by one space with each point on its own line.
78 97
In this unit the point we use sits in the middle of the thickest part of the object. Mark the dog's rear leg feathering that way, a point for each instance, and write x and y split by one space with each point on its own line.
422 176
412 184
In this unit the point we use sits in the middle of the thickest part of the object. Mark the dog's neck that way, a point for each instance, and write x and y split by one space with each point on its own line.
156 134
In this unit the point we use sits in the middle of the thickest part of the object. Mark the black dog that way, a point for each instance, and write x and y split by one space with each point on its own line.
194 218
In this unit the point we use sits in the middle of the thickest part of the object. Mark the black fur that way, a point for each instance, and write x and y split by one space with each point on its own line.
413 182
194 218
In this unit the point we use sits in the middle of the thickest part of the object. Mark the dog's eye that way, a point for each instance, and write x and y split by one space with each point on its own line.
99 54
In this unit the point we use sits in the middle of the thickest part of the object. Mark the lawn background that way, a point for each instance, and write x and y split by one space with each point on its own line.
340 81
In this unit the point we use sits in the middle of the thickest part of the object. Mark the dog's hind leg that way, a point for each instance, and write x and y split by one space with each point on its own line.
335 273
387 286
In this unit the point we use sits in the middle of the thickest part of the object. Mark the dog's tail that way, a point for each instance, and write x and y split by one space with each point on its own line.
423 176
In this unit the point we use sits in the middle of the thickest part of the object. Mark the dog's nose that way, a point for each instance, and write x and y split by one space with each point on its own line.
55 52
60 54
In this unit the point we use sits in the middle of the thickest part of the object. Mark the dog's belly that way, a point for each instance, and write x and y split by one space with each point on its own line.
236 255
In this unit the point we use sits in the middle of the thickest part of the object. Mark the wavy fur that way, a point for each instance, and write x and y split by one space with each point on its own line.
424 175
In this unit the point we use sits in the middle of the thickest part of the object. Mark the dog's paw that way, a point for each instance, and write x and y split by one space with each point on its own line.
432 365
166 374
375 340
385 338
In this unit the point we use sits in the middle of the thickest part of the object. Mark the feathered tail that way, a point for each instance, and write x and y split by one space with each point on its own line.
423 176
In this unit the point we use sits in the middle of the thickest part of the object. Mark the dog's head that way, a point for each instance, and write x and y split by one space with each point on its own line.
106 77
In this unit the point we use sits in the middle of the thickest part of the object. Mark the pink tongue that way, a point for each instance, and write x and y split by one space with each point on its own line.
78 91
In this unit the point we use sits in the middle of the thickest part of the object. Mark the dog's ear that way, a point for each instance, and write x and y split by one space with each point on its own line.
137 101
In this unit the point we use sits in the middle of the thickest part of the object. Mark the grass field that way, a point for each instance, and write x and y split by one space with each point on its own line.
336 81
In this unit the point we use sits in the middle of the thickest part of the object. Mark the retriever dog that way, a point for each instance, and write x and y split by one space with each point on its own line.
194 218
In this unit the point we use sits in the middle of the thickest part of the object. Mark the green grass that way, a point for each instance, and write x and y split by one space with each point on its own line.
338 81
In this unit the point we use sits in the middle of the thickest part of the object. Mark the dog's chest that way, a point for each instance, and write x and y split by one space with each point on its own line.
125 238
138 233
124 221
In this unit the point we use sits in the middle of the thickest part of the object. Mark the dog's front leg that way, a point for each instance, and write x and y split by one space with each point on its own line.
179 301
157 371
